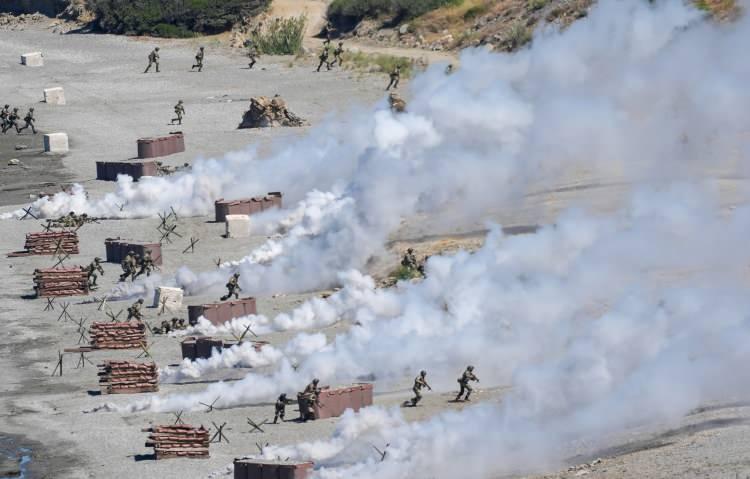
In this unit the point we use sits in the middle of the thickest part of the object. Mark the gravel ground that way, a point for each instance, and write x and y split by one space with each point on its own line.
110 104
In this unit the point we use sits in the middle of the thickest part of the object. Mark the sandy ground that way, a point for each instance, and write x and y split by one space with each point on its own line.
111 104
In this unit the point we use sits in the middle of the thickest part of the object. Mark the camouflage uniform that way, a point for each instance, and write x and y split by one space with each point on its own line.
324 59
464 380
178 323
199 60
12 121
395 78
410 260
127 266
4 114
153 59
146 265
252 54
179 110
337 52
29 120
419 383
134 312
310 396
233 287
93 268
280 408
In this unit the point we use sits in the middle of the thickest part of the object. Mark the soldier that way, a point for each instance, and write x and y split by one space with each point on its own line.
29 119
410 260
422 265
179 110
153 59
233 287
166 328
134 312
146 265
328 32
126 265
135 266
4 114
310 396
449 69
395 78
178 323
12 121
92 270
198 60
337 52
252 54
324 59
419 383
464 380
280 408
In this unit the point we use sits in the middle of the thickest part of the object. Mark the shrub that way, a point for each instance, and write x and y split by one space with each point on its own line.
378 62
282 36
172 17
475 11
345 14
535 5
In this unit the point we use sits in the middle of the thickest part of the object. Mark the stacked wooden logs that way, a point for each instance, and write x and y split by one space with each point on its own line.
53 242
128 377
124 335
61 282
178 441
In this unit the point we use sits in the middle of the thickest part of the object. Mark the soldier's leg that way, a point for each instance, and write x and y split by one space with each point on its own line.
319 65
94 276
390 84
461 392
200 66
157 67
469 390
33 128
148 67
396 85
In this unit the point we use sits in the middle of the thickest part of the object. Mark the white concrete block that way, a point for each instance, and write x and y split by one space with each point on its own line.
171 298
56 142
33 59
238 226
54 96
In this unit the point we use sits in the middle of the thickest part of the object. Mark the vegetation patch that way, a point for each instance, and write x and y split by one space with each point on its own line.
369 62
173 18
345 14
281 36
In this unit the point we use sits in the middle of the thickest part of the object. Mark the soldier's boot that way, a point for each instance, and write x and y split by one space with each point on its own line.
467 396
224 298
275 418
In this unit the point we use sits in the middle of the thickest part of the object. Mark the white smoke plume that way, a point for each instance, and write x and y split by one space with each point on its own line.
239 355
635 92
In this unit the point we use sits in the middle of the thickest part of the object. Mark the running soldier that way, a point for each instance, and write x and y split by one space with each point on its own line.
153 59
410 260
198 60
252 54
12 121
29 120
179 110
134 312
419 383
126 265
280 408
233 287
337 52
146 265
324 59
395 78
91 271
464 380
4 114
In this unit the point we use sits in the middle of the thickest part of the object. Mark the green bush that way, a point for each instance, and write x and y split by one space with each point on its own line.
345 14
535 5
475 11
282 36
404 273
378 62
172 18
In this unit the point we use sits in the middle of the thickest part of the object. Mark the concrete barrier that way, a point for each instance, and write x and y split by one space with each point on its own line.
169 298
33 59
238 226
54 96
56 143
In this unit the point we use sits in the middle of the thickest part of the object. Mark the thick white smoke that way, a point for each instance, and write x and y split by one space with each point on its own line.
634 92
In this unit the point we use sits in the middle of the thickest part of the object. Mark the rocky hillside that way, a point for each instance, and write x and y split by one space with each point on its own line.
502 24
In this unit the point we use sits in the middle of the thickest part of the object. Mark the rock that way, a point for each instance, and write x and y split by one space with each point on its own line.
21 147
14 162
265 112
404 29
398 105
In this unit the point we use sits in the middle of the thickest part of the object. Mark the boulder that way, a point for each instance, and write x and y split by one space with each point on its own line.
269 112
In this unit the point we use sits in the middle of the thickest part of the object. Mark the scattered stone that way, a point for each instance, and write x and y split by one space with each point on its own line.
21 147
269 112
398 105
404 29
14 162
